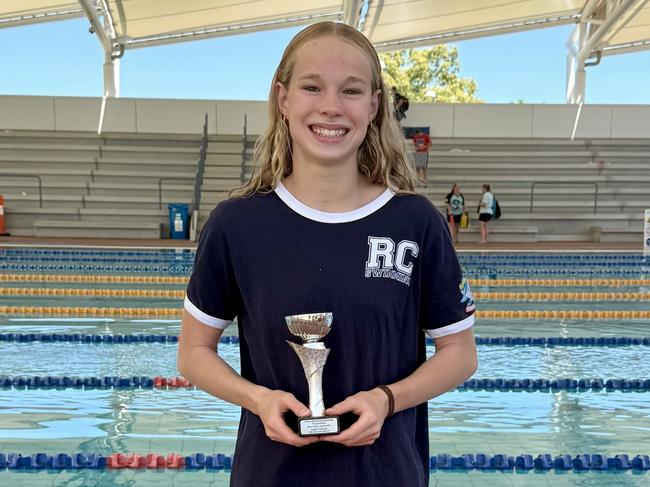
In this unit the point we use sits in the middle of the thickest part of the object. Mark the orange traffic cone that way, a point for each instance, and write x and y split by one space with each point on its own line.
3 231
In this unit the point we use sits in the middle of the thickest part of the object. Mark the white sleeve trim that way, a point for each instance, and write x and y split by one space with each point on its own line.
451 329
204 318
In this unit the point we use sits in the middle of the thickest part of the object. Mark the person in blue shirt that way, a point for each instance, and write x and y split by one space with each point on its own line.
330 222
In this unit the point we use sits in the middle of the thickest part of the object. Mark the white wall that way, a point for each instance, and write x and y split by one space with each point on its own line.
130 115
227 117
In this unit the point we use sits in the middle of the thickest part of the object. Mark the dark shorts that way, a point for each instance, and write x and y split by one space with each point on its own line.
455 217
484 217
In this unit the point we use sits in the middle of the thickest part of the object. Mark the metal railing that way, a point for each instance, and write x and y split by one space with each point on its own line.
555 183
198 180
40 184
198 175
244 153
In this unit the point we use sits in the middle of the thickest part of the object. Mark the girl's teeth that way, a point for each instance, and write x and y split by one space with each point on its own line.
329 133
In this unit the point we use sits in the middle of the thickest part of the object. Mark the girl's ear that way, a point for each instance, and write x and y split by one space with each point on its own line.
281 92
374 103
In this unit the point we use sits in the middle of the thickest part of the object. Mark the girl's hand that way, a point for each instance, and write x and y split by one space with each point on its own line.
371 407
272 404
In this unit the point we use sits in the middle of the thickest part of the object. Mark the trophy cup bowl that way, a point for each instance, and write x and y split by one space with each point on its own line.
311 328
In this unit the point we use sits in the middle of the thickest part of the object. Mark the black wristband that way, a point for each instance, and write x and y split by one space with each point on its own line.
391 400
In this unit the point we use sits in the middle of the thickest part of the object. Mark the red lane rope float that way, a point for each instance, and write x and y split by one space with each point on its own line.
150 460
171 382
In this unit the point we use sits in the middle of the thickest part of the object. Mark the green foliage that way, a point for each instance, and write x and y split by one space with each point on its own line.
417 71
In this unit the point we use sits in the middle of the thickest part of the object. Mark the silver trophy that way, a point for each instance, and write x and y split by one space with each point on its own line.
311 328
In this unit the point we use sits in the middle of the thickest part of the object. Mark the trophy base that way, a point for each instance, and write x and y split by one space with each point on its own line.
319 426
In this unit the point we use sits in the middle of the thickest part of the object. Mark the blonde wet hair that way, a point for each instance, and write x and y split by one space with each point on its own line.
382 157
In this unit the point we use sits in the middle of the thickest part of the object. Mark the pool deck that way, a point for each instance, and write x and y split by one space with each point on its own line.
461 247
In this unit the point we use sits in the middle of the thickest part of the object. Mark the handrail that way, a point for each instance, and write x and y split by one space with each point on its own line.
40 184
576 183
243 151
160 180
198 180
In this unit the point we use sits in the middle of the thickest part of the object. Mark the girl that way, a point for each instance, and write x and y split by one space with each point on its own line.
485 212
455 202
329 223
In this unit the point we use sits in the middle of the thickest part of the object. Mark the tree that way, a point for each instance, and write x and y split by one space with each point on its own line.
417 71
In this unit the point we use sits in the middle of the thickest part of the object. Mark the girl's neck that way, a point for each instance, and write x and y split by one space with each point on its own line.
334 190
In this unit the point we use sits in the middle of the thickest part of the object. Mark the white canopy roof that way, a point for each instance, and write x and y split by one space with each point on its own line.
390 24
603 26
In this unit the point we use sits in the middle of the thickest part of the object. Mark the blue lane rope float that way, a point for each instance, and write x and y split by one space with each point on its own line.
186 269
233 339
503 385
174 269
220 461
188 253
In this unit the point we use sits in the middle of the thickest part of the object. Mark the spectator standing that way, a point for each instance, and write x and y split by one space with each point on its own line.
455 202
422 144
485 212
401 104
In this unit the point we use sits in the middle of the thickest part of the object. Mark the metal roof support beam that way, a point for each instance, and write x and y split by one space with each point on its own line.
36 17
225 30
619 12
600 19
576 74
105 32
352 12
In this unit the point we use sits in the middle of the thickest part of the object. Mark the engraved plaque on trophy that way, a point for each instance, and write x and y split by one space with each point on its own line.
311 328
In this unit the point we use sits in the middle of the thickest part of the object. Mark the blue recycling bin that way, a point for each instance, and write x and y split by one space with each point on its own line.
179 219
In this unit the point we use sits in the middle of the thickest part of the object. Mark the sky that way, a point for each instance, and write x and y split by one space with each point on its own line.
63 59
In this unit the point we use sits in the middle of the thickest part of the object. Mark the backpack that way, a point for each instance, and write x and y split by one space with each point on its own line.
497 209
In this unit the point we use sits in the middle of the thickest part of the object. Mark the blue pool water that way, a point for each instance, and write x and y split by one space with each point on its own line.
188 421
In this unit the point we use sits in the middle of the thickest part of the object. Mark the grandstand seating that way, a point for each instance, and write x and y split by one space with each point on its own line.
94 186
108 186
563 173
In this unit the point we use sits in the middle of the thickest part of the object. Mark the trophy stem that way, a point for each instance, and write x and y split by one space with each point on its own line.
313 362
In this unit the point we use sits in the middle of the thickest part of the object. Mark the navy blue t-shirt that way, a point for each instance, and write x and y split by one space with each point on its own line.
387 271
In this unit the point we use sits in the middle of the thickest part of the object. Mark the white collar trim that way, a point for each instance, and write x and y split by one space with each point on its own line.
326 217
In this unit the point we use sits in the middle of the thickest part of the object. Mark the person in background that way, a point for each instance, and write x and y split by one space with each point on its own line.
455 202
401 104
422 144
485 212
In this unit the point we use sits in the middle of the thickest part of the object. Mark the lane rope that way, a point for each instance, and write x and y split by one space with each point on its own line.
233 340
101 312
123 279
158 382
104 293
180 294
92 279
220 461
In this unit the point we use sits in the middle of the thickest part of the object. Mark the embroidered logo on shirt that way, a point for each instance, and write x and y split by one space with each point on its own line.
466 293
387 260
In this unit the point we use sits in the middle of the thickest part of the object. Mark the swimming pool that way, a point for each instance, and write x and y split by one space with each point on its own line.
490 419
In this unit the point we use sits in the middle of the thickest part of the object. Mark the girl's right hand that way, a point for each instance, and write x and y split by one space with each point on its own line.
272 404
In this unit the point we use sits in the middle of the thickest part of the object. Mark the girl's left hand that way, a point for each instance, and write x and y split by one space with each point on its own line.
371 407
